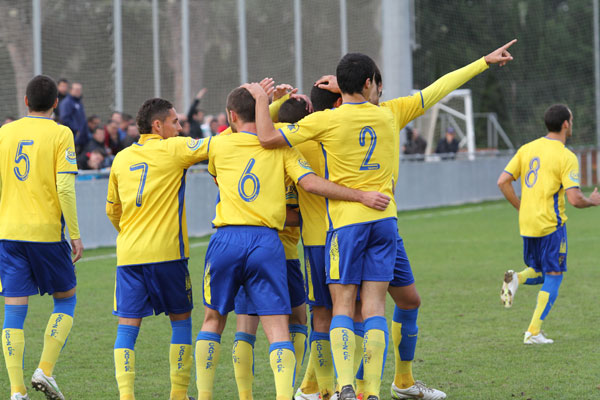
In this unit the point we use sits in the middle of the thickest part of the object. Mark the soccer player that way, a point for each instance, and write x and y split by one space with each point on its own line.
402 288
245 250
290 111
37 189
145 203
360 242
547 170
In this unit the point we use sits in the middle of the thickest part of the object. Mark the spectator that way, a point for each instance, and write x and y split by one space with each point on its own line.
95 159
196 116
112 138
72 114
222 120
132 136
185 128
117 117
213 127
63 89
97 141
415 144
126 120
93 123
448 145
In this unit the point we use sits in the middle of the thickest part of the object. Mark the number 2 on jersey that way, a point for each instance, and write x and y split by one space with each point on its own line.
144 167
532 174
22 156
248 175
362 140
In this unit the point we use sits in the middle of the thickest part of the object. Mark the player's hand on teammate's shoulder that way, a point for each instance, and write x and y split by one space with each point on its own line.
375 200
77 247
595 197
328 82
501 55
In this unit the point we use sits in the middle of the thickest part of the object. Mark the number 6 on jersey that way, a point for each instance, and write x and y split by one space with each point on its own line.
248 175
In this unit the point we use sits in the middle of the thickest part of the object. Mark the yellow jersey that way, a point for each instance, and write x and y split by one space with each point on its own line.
32 151
290 235
252 180
546 168
146 198
357 140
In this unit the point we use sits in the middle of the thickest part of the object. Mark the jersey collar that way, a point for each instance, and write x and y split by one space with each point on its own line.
148 136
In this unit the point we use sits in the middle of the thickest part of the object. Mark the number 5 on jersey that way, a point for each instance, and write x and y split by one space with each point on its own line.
22 156
247 175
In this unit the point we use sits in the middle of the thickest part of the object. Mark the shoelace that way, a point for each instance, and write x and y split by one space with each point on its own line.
421 386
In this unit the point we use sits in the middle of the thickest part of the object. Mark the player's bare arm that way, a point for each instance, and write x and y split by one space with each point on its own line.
268 136
578 199
292 217
315 184
505 184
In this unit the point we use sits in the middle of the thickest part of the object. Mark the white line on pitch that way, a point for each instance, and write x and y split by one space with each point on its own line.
107 256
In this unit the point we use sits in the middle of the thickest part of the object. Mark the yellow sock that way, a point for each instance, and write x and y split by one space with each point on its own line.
13 344
527 273
58 329
309 383
243 363
403 377
323 364
358 353
375 346
536 321
343 347
181 360
125 372
283 364
298 334
208 348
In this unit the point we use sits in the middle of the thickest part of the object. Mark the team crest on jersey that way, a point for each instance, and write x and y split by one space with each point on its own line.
304 164
71 156
194 144
574 176
292 128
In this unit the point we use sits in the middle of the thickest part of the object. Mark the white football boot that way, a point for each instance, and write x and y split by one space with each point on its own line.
509 288
540 338
417 391
19 396
46 385
303 396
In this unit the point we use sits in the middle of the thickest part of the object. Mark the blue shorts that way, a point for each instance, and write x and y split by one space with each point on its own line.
251 257
28 268
141 290
317 291
243 305
403 275
362 252
547 253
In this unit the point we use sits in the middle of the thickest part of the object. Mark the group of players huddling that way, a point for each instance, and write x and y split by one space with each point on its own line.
321 168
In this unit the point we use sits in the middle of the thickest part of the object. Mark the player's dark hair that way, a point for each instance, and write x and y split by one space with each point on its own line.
292 111
555 116
352 72
322 99
242 103
151 110
41 93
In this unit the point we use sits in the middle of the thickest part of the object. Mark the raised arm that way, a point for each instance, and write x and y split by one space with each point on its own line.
577 198
455 79
268 136
505 184
315 184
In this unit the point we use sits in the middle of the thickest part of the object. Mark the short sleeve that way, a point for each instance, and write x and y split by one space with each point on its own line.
66 158
405 109
311 127
296 167
570 173
291 194
189 151
514 166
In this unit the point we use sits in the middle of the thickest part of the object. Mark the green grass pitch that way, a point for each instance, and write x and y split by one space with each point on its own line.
469 345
